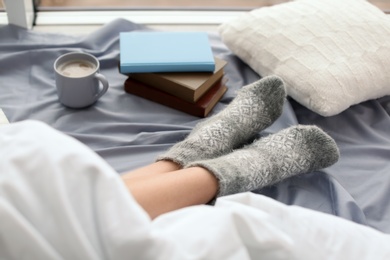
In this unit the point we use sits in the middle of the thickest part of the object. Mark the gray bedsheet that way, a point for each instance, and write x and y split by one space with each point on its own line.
129 132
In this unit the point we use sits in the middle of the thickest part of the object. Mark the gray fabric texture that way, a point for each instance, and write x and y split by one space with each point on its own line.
129 132
255 108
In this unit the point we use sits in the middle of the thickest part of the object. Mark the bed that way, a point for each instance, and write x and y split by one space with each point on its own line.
342 212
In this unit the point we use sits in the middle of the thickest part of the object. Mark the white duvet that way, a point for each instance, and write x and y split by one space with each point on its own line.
59 200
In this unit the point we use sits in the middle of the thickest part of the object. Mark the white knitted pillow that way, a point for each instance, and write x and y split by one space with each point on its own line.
331 53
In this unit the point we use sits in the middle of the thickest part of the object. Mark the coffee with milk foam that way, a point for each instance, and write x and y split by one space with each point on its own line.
77 69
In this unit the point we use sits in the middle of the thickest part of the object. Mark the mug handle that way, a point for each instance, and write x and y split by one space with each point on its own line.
104 81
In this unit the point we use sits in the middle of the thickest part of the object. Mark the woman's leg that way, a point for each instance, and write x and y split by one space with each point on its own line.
295 150
161 193
152 169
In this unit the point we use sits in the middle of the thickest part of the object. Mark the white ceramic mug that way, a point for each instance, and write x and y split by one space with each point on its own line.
78 79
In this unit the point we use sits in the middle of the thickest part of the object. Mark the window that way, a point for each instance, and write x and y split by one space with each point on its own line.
171 4
93 12
158 4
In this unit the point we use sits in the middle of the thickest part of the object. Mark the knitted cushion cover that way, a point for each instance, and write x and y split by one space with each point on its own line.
331 53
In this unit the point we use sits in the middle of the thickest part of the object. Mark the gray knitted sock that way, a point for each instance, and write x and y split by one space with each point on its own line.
256 107
295 150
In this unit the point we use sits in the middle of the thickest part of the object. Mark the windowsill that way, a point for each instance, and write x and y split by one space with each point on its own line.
87 21
141 17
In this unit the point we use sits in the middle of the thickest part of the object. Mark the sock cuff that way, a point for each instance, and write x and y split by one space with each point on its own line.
218 172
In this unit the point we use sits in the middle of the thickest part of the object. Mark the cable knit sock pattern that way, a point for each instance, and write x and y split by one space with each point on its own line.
292 151
256 107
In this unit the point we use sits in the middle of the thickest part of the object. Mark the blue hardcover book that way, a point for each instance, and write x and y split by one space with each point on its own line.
143 52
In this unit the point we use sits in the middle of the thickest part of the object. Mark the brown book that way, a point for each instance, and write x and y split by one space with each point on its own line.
189 86
201 108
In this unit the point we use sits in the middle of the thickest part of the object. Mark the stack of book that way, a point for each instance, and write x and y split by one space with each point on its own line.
175 69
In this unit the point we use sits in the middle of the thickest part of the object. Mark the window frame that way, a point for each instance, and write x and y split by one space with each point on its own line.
147 17
3 17
22 13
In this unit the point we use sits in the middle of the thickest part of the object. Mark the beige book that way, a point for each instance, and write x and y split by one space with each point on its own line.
189 86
